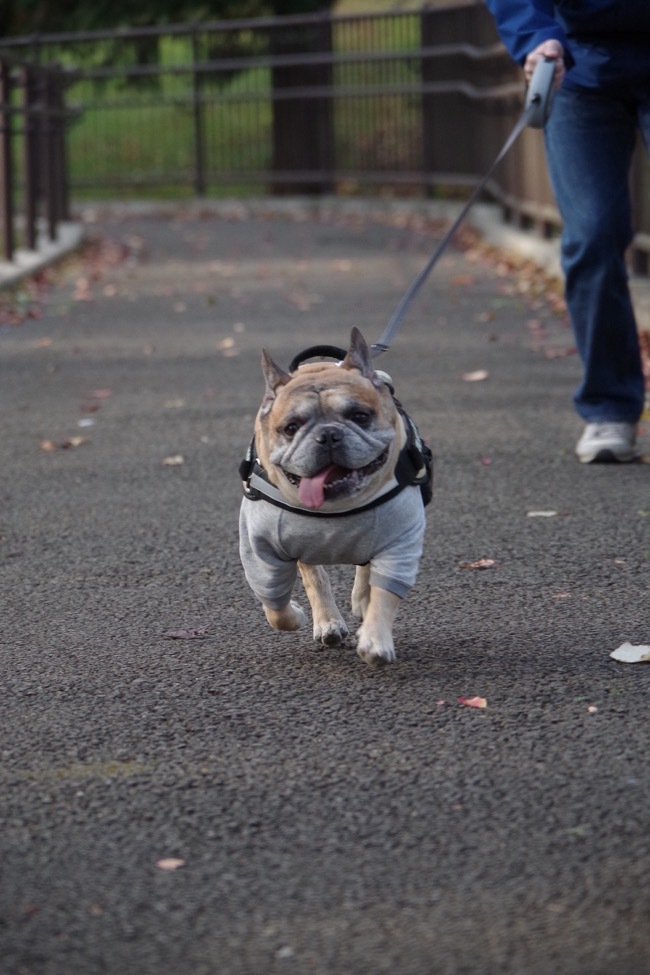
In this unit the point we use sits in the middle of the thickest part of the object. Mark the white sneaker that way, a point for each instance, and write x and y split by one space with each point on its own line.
607 443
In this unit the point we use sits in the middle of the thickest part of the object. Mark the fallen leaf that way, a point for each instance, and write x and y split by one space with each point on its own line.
560 353
479 564
475 377
473 702
286 951
187 633
170 863
629 654
83 291
49 446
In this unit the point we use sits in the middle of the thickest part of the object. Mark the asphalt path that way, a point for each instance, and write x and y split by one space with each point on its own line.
240 802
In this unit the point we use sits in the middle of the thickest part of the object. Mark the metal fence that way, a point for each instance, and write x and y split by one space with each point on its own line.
409 103
33 190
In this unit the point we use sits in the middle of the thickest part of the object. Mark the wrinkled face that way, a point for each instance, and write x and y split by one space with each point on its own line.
329 436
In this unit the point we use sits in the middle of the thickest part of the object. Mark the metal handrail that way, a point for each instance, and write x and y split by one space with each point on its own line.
32 129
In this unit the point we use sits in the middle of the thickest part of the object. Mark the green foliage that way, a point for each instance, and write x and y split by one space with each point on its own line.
22 17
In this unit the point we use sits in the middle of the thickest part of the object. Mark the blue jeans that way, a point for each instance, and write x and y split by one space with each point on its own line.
590 138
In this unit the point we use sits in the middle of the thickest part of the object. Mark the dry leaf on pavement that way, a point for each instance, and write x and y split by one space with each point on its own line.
479 564
49 446
170 863
627 653
477 376
187 633
473 702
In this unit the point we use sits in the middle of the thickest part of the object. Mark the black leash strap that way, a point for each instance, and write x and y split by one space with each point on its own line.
535 114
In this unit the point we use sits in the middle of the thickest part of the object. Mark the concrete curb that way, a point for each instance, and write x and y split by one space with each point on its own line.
27 262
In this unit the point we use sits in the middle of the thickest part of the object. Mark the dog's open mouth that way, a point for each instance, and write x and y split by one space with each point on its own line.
333 482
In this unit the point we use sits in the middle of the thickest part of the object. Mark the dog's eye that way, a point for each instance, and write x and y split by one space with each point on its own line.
361 417
291 429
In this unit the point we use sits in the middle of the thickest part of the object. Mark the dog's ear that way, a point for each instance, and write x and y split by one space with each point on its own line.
274 377
358 356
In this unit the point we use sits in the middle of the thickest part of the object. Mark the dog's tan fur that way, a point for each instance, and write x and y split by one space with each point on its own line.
351 407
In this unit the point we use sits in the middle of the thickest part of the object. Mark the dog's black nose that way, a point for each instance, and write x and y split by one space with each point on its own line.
329 436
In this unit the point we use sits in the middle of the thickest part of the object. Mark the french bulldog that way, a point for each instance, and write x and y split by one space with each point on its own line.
336 474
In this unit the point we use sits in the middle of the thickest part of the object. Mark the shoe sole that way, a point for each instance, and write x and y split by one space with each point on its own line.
607 456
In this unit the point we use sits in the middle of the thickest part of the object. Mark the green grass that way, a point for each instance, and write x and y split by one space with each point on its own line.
139 138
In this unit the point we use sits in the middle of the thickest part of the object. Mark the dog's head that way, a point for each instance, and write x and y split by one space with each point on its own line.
328 435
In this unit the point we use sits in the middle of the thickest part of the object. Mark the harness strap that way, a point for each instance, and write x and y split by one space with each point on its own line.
414 467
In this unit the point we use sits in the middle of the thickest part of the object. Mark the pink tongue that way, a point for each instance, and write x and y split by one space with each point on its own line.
311 490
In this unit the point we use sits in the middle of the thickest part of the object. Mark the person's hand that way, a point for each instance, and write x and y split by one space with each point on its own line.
549 49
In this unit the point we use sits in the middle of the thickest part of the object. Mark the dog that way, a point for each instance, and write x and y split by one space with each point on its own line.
336 474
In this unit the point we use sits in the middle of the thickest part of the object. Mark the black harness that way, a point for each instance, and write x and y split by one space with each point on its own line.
414 464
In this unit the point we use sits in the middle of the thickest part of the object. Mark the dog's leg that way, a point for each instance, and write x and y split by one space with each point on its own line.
290 617
361 591
375 635
329 625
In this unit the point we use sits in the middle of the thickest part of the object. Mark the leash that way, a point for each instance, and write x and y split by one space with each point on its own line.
536 111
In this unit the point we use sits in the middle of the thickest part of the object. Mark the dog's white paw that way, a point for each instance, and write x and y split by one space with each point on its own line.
290 618
373 650
331 633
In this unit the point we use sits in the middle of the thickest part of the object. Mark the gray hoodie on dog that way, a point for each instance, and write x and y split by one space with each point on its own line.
389 537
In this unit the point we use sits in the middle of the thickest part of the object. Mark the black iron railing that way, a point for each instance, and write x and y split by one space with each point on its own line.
406 103
33 183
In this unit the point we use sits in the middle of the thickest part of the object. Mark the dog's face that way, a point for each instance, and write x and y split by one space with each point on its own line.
328 436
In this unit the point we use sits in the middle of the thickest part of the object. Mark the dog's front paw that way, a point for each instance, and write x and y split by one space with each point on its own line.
331 633
290 617
375 650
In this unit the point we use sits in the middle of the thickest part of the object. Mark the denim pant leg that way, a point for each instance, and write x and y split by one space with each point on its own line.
590 139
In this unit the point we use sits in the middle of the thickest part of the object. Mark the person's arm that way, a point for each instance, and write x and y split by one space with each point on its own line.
530 32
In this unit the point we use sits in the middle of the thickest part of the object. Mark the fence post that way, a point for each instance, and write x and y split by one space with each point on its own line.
199 127
48 160
30 157
6 164
303 140
447 116
59 146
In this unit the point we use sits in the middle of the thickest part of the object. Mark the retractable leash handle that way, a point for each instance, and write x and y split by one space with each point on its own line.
539 96
537 108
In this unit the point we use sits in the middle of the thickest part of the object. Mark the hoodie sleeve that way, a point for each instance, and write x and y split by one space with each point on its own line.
525 24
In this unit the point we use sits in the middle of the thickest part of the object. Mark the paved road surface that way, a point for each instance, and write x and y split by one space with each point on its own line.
330 818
